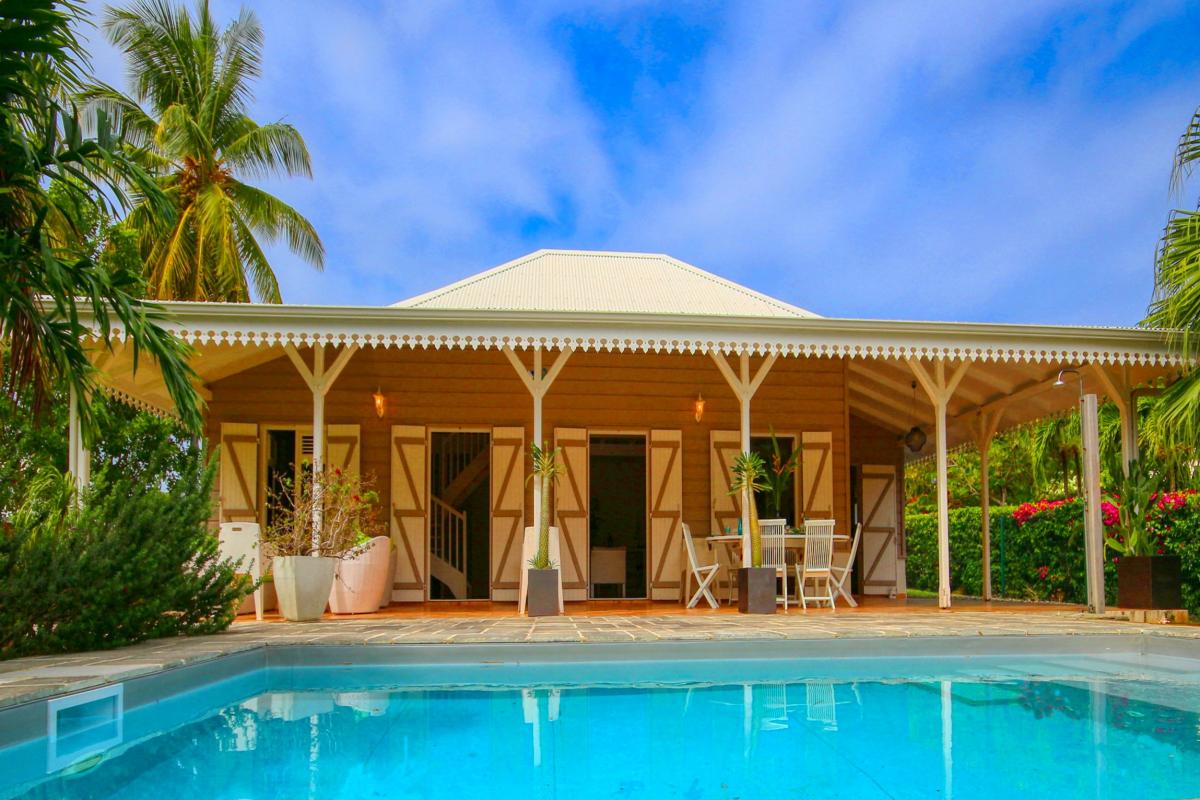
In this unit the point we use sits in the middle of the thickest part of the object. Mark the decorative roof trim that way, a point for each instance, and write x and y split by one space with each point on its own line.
271 326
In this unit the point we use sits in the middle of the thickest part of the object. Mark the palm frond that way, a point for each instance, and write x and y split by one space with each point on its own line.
268 149
272 218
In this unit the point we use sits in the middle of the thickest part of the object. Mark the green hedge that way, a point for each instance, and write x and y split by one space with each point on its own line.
1042 559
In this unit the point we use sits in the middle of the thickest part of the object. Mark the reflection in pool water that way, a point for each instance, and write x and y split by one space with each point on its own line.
953 739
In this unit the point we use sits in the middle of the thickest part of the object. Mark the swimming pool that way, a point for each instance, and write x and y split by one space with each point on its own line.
486 723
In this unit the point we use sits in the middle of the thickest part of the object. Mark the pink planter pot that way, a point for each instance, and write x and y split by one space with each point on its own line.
359 585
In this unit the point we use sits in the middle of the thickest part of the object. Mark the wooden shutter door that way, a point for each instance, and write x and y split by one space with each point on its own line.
342 447
726 508
817 474
666 513
879 545
408 510
239 472
571 511
508 510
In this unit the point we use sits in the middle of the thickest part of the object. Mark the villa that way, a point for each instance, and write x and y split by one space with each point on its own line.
633 364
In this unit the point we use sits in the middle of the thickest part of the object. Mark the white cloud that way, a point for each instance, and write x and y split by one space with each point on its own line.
917 159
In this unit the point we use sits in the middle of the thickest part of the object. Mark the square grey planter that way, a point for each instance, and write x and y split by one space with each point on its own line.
542 597
756 590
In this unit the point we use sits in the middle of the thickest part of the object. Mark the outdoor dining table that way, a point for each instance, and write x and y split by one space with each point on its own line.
730 542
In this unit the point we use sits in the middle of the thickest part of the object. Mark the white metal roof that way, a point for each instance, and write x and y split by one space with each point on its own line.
603 282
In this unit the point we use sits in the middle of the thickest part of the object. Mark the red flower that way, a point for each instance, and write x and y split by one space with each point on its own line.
1161 551
1043 572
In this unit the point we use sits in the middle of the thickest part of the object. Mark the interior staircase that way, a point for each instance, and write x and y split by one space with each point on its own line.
458 464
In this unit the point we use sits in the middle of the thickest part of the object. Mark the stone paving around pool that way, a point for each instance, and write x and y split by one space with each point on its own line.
27 679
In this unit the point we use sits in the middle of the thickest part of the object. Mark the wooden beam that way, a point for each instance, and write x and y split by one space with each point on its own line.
735 383
761 374
305 373
890 401
869 407
522 371
555 368
903 388
339 364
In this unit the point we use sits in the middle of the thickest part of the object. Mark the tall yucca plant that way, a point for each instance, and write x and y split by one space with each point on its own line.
191 85
749 478
546 470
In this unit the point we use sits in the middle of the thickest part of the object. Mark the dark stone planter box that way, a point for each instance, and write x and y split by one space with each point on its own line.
1149 582
542 597
756 590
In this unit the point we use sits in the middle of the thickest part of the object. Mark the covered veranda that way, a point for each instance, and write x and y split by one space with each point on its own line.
973 380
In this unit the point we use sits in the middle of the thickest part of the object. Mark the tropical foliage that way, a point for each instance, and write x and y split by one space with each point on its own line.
779 475
55 175
1137 493
186 124
133 560
1040 460
1176 303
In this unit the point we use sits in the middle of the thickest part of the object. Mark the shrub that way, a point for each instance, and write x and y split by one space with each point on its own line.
1043 552
135 561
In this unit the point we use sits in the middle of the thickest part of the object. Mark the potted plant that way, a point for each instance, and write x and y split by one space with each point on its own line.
756 583
542 577
779 477
361 574
305 557
1145 577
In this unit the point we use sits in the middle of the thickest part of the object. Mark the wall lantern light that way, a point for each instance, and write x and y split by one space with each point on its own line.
698 406
380 403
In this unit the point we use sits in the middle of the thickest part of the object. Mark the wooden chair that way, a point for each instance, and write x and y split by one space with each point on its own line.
774 552
817 564
703 574
242 540
841 573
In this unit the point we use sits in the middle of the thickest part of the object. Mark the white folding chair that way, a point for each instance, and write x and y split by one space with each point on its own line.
774 552
821 705
816 566
529 548
841 574
704 574
241 540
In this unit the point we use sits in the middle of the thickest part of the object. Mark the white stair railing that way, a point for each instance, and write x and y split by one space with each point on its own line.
448 542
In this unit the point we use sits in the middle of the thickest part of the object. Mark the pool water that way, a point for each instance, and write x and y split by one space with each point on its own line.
746 731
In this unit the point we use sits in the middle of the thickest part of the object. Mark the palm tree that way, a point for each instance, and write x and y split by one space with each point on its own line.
1176 303
191 86
52 172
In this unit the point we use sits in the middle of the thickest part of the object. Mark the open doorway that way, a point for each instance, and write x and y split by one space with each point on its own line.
459 515
287 456
617 515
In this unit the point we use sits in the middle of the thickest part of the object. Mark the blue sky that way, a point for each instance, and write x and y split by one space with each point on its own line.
964 160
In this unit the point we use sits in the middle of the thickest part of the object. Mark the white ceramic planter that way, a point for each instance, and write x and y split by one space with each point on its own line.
302 584
388 584
360 581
